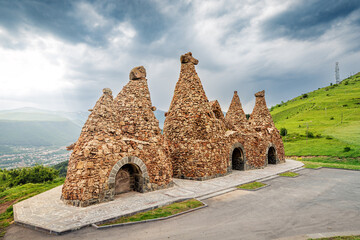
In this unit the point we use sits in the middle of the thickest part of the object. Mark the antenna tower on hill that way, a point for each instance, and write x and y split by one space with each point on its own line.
337 75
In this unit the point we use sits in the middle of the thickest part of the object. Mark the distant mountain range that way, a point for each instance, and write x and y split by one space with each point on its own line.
38 127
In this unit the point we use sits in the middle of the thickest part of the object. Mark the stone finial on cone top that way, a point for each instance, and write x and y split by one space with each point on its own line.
188 58
107 91
137 73
260 94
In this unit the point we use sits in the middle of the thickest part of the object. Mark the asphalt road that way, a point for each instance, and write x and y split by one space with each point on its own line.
325 200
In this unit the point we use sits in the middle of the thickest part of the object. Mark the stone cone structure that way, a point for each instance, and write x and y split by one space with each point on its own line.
120 144
135 111
194 135
260 116
242 136
261 120
90 150
121 147
216 108
235 117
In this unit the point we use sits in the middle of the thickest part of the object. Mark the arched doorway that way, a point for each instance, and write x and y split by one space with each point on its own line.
271 156
128 178
238 160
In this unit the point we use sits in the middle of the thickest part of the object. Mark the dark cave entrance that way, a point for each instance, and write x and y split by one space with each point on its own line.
238 160
271 156
128 178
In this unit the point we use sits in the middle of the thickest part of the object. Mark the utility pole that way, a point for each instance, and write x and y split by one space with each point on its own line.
337 75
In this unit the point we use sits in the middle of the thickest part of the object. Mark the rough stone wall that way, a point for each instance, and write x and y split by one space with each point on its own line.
261 120
242 133
253 146
194 135
235 117
117 129
216 108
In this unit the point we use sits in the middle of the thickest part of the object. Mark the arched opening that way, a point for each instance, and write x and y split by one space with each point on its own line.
237 159
128 178
271 156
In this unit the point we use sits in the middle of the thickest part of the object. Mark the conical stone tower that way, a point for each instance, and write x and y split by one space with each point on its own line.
260 116
262 122
134 108
82 185
120 148
192 132
216 108
235 116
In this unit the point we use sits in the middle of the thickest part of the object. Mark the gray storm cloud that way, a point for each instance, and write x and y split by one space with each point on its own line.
60 54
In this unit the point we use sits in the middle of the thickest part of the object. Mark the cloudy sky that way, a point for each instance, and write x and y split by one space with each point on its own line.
60 54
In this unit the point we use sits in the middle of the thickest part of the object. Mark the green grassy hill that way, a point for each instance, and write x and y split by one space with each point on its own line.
325 122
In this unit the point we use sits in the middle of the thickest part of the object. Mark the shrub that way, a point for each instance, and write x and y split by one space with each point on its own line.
345 105
310 135
37 174
347 149
346 82
332 118
283 132
247 116
329 137
304 96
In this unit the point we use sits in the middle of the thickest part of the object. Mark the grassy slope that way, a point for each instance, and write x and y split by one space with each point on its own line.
19 193
331 113
331 162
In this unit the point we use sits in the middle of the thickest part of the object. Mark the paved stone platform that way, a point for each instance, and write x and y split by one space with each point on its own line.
47 212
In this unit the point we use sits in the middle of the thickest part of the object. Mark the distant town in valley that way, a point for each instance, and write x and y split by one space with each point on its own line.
20 156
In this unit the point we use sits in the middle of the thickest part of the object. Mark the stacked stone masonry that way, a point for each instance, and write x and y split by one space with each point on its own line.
121 147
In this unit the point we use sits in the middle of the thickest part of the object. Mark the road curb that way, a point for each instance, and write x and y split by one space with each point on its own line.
97 227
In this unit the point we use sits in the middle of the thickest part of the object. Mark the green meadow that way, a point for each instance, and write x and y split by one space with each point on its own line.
325 122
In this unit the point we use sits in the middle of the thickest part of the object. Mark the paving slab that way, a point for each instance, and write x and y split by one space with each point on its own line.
47 212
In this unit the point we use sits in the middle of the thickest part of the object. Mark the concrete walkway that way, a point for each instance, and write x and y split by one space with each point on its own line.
47 212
